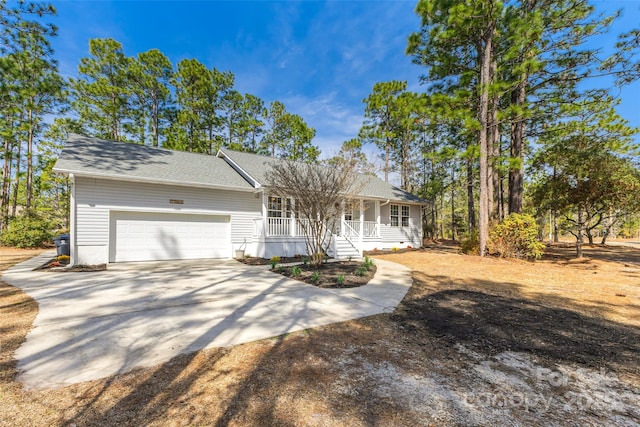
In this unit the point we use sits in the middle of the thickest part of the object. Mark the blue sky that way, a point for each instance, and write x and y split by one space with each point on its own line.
320 58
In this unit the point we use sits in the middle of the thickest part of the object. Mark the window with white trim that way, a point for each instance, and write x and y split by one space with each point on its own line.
279 207
405 216
399 215
348 215
394 215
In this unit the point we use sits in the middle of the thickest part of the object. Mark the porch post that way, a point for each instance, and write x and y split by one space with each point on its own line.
361 232
340 230
378 218
264 214
292 220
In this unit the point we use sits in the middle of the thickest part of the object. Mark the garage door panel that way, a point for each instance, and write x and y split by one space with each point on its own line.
146 236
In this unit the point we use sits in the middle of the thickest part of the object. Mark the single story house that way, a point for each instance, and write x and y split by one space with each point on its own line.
136 203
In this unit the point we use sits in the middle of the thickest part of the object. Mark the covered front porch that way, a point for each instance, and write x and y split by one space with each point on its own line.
360 220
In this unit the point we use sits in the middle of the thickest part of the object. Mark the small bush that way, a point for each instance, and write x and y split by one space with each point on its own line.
295 271
274 261
315 276
516 237
469 244
394 249
340 280
368 263
28 231
361 271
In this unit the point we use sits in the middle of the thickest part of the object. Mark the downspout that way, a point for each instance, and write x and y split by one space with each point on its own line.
72 220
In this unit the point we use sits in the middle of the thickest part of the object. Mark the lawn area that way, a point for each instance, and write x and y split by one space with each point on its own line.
474 342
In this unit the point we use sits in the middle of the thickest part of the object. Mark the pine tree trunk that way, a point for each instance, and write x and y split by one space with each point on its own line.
471 209
516 176
16 183
484 140
6 181
493 150
386 161
155 121
29 186
453 205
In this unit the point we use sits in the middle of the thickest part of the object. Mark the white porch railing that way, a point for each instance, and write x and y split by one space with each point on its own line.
278 226
350 229
370 229
284 227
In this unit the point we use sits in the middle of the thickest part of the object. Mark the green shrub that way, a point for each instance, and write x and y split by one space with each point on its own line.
315 276
295 271
28 231
361 271
340 280
516 237
469 244
368 263
274 261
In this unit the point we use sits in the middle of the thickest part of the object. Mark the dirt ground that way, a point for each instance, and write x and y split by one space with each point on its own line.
474 342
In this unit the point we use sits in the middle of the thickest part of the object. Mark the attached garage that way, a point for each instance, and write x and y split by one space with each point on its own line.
153 236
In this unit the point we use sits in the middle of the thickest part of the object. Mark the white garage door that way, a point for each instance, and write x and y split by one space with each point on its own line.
147 236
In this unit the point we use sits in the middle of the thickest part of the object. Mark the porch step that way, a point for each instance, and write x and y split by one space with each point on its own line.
344 249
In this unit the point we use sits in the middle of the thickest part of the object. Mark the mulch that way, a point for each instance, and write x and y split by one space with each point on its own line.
329 274
62 266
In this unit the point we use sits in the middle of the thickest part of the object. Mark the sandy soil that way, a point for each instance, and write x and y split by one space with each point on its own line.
475 342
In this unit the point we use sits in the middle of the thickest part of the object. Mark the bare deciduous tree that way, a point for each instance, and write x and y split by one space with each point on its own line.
318 192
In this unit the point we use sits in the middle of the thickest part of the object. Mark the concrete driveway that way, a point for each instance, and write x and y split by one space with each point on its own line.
93 325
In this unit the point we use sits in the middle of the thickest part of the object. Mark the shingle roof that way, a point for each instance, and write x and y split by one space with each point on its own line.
256 168
94 157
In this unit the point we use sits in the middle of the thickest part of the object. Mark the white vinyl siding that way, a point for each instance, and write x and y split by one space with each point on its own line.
95 198
394 235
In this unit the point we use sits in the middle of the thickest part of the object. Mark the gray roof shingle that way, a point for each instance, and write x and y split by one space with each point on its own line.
94 157
256 167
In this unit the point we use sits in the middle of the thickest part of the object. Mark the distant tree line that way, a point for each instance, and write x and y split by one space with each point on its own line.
146 100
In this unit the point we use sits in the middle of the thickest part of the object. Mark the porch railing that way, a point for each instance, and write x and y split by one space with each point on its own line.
279 227
350 229
370 229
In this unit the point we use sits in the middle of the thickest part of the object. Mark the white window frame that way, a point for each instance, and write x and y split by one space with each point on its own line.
401 217
404 219
284 210
395 216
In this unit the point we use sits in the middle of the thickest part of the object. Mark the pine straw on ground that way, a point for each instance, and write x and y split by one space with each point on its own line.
475 342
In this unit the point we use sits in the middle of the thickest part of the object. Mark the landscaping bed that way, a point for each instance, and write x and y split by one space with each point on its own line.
61 264
250 260
337 274
330 274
